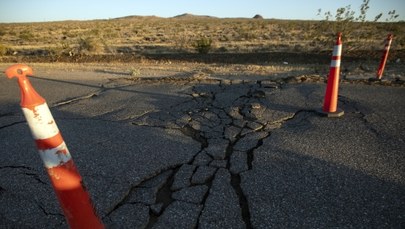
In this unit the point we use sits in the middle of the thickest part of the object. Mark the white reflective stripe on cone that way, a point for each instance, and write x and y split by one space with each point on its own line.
337 50
41 122
56 156
335 63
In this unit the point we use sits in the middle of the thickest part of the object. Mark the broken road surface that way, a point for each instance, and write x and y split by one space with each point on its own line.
211 153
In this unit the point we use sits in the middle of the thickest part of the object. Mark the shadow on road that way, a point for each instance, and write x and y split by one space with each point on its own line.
195 129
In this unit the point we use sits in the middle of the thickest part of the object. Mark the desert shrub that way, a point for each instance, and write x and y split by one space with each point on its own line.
346 21
246 34
94 32
90 45
222 49
181 41
203 45
26 35
134 72
109 33
69 33
2 32
356 30
3 50
61 49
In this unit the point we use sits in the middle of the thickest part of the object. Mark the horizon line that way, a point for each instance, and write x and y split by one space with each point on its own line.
184 15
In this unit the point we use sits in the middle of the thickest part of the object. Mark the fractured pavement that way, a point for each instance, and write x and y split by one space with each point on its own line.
212 154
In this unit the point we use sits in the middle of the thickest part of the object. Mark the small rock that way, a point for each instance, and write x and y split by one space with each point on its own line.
226 82
205 94
255 105
239 123
254 126
269 84
365 68
156 208
246 131
234 82
258 94
249 141
231 132
234 113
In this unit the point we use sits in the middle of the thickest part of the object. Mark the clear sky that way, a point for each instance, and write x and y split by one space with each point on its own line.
56 10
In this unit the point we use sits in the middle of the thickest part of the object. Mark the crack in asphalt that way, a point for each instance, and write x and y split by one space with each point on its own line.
205 197
250 155
30 173
43 209
88 96
124 199
203 120
6 114
11 124
40 206
195 135
164 197
360 114
76 99
36 177
244 204
17 167
205 117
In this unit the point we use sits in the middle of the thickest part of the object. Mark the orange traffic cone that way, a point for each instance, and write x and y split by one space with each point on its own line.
384 57
331 96
66 180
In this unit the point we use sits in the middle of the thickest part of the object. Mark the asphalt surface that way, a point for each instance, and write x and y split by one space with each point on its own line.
210 153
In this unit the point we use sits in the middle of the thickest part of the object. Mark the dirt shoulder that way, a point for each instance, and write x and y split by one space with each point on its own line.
277 67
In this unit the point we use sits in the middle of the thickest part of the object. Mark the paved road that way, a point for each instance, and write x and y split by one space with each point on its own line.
180 153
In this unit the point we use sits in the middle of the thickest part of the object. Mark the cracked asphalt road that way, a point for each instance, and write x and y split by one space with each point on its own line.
210 153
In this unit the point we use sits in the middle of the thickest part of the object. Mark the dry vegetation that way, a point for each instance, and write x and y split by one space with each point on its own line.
142 37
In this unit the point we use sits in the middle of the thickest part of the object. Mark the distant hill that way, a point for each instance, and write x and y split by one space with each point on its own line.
187 15
135 17
258 16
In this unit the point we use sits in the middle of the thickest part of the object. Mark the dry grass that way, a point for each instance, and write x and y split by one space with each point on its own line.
140 35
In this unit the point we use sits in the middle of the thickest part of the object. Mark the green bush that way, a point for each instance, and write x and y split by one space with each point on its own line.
203 45
134 72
